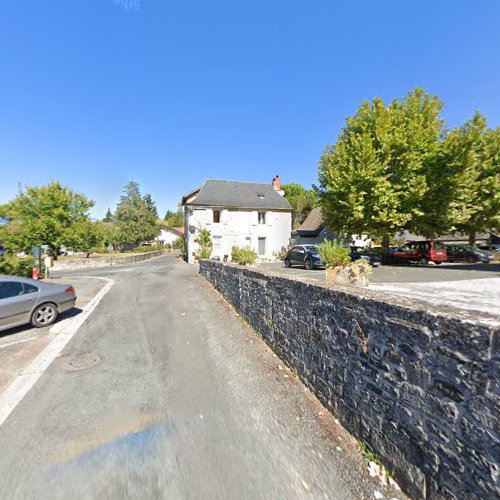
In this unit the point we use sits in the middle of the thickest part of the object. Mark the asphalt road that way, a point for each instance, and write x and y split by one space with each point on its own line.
164 393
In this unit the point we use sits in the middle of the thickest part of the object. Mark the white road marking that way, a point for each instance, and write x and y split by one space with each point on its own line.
3 346
64 330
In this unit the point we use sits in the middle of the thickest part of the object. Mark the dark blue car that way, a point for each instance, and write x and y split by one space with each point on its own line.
303 255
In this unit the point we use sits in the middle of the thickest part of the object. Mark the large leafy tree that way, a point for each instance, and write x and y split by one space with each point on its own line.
302 200
136 216
44 215
374 179
466 185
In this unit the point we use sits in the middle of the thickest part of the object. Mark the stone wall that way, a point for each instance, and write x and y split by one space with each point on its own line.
96 262
421 387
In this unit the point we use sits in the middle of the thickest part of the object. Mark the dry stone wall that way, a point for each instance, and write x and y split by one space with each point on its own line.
421 388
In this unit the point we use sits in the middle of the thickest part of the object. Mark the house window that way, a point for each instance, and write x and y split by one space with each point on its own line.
262 246
217 216
262 217
248 242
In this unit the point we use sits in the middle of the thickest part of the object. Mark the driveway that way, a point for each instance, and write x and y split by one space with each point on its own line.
164 393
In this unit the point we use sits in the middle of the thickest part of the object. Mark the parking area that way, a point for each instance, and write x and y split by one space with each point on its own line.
20 346
403 274
474 287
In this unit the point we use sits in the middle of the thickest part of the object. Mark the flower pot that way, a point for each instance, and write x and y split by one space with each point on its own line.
331 273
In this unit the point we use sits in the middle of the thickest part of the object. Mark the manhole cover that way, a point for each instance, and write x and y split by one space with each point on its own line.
83 362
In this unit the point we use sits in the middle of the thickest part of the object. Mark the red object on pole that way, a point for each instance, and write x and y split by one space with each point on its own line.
36 273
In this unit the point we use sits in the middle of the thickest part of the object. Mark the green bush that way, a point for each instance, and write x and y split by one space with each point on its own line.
243 256
16 266
204 241
150 248
334 253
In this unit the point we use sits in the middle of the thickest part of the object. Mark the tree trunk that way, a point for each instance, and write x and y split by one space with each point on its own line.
472 239
385 242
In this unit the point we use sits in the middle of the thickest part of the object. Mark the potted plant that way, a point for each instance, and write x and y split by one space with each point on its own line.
360 272
335 256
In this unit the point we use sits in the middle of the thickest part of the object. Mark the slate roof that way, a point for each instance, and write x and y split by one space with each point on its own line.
313 223
236 194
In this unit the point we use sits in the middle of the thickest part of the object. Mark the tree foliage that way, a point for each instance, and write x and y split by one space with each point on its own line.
109 216
302 200
467 179
45 215
174 219
375 178
136 216
205 244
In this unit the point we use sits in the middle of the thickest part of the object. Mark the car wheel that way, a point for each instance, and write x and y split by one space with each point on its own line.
309 265
438 263
44 315
471 259
288 263
423 261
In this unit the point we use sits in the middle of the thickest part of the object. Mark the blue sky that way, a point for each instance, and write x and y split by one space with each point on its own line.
95 92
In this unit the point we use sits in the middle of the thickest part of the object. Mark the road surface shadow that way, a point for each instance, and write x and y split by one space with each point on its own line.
23 328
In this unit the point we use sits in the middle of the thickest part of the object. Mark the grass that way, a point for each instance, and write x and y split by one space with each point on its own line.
368 454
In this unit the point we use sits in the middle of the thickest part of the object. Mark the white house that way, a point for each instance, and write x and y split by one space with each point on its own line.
168 235
243 214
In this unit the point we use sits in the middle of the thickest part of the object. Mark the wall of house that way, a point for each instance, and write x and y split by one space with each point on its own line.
238 228
421 387
166 238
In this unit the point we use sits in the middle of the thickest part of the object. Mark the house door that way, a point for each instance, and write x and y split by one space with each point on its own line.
262 246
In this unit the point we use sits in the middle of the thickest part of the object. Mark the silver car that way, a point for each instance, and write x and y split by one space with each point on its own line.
24 301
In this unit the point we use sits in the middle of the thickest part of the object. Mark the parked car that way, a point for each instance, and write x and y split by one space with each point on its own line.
24 301
490 248
422 252
362 253
467 253
304 255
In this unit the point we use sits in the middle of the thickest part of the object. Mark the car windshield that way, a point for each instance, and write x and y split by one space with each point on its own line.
438 245
311 248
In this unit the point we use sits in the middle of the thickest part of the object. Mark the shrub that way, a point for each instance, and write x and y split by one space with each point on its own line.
281 254
149 248
16 266
334 253
243 256
204 241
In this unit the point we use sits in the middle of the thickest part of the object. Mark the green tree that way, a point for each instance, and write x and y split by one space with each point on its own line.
205 244
43 215
109 216
86 236
176 219
168 214
467 183
136 216
302 200
374 179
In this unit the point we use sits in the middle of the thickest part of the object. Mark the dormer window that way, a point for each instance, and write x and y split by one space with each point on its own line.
260 195
216 216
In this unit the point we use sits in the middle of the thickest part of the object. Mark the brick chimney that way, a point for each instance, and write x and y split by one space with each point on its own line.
277 183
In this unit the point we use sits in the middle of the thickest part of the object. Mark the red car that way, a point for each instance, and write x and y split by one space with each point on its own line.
422 252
